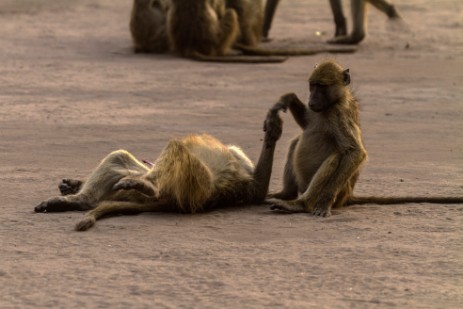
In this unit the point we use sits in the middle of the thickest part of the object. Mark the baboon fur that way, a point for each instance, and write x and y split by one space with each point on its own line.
194 174
323 163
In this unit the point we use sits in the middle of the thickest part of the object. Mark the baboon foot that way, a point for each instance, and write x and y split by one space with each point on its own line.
86 223
69 186
135 184
60 203
323 206
347 39
286 206
282 195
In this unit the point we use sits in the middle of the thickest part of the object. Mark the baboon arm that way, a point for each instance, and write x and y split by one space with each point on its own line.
263 172
273 127
297 108
349 163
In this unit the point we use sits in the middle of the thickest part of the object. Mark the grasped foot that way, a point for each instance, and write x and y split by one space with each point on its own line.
135 184
69 186
86 223
286 206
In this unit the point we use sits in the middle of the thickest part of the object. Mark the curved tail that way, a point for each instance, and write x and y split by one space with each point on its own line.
359 200
238 59
258 51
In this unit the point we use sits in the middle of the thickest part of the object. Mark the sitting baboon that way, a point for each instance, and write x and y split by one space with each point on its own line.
196 173
323 163
206 30
359 19
148 26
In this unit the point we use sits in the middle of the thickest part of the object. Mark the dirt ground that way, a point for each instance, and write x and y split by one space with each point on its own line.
71 91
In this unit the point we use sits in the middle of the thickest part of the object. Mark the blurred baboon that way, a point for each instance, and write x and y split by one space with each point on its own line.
359 19
194 174
251 20
148 26
206 30
323 163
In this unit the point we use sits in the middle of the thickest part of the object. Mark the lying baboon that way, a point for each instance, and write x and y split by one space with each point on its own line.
359 19
148 26
194 174
324 162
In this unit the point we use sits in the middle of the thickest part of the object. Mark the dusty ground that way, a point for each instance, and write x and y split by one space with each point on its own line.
71 91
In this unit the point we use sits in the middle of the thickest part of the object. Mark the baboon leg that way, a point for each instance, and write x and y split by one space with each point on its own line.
99 184
117 165
108 208
270 8
229 31
339 19
290 189
336 180
315 199
359 22
69 186
385 7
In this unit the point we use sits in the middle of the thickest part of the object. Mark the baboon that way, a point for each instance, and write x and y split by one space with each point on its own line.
196 173
148 26
206 30
251 21
323 163
359 19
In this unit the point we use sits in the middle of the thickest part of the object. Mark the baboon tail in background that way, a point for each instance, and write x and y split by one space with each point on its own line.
183 178
359 200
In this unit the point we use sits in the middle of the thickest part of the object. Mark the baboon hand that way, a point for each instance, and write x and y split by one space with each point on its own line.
273 128
285 102
140 185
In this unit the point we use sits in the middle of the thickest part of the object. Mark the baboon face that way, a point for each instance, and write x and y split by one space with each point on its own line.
327 86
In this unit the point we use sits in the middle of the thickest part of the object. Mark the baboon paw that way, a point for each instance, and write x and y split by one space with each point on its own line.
69 186
85 224
42 207
322 211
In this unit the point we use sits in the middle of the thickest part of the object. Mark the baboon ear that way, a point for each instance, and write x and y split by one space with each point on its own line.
346 77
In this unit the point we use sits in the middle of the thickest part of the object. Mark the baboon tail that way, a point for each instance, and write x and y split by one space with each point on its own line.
359 200
182 177
257 51
238 59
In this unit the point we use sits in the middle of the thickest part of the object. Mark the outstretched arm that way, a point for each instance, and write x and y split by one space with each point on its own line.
273 129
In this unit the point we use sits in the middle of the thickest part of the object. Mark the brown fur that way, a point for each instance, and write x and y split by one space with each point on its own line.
148 26
194 174
324 162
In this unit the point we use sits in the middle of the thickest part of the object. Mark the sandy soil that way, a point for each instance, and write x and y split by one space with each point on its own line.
71 91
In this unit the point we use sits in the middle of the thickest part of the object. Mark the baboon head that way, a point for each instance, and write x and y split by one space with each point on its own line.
327 85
